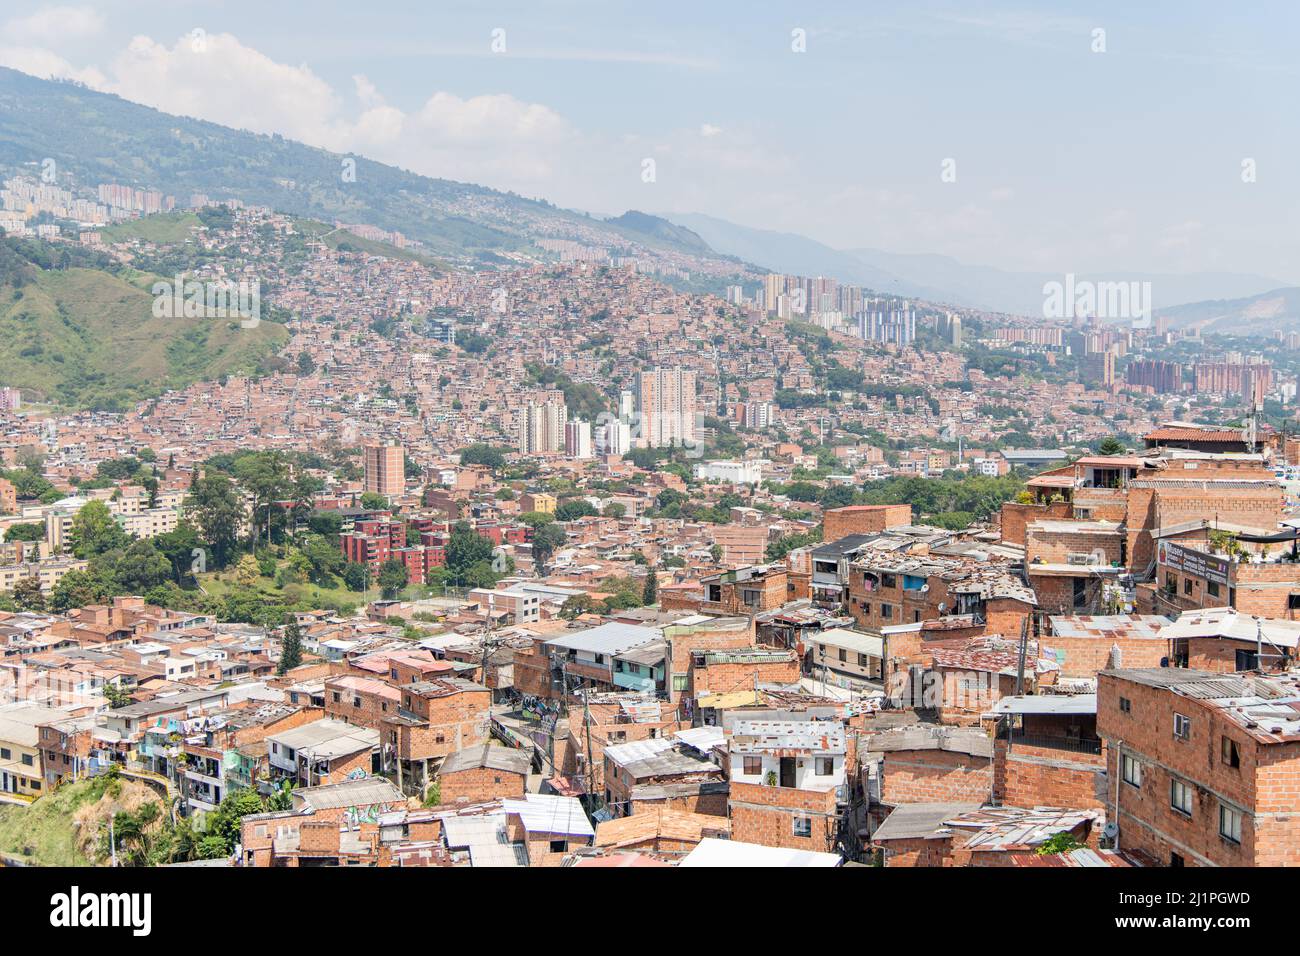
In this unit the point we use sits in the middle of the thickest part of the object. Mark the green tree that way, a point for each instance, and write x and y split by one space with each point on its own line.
573 509
27 594
651 592
95 531
32 531
481 574
264 475
116 695
356 576
178 546
290 648
141 567
138 836
327 524
325 560
247 571
392 578
223 824
30 484
466 548
76 589
1110 445
489 457
219 514
546 541
575 606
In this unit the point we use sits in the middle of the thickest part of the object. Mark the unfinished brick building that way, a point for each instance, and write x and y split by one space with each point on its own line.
1202 768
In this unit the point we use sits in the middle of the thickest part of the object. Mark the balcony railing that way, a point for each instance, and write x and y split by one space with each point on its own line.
1078 745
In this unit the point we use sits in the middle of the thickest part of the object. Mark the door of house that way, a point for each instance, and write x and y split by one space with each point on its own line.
787 771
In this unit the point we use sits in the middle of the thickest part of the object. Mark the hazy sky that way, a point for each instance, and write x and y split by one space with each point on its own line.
1066 159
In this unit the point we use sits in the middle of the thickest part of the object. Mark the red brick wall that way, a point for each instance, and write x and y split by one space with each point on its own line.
1085 656
863 519
1055 547
765 815
713 804
1220 656
1269 773
339 769
935 776
478 785
1005 616
722 678
1016 516
1055 593
918 852
1045 777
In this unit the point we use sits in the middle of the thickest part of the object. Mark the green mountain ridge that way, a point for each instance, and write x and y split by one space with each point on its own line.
659 231
98 137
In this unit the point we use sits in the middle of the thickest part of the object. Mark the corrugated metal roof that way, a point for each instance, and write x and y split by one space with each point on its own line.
1047 704
1004 828
547 813
351 793
1110 627
490 756
855 641
461 832
702 739
714 852
608 639
919 821
498 854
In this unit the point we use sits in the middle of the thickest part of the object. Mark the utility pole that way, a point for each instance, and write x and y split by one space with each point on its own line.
1020 665
586 724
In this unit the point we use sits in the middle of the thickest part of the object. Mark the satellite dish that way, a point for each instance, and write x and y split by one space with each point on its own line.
1110 831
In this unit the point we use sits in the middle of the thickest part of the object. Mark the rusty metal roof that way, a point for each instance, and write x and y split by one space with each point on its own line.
1110 627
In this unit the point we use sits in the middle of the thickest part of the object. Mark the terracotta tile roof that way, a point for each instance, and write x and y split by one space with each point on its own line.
1195 434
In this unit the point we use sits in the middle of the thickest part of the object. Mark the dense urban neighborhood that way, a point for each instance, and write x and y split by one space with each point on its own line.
452 582
354 517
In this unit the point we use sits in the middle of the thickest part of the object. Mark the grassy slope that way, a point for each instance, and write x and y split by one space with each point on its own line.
162 229
86 338
218 584
335 237
43 833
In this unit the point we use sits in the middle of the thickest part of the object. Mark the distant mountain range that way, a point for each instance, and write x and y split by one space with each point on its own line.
101 138
1277 310
98 137
942 279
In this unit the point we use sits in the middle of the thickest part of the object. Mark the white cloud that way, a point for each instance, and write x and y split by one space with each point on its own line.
497 119
367 93
48 65
495 139
54 25
707 129
226 82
